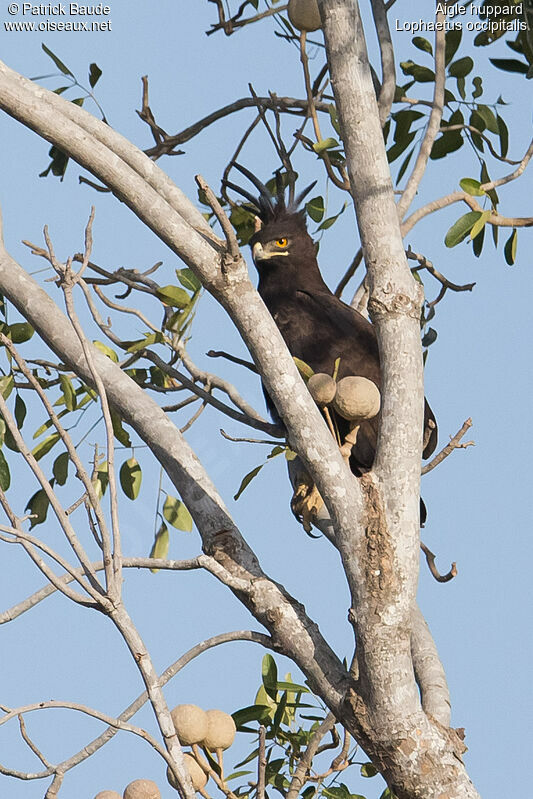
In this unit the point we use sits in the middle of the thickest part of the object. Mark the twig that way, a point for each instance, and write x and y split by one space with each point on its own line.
233 358
343 754
445 283
449 448
287 105
433 124
301 772
388 69
341 184
430 559
246 440
349 272
112 554
472 129
513 175
93 588
261 763
81 473
229 25
218 211
29 742
128 563
109 720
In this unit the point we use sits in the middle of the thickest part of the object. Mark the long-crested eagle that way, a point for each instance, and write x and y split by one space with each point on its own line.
318 328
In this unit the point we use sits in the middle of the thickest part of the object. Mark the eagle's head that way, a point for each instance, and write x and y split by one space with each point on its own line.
282 242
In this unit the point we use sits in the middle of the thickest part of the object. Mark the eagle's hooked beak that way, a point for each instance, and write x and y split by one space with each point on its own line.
260 253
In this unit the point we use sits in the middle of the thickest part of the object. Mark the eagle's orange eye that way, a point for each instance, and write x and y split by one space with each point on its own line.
281 242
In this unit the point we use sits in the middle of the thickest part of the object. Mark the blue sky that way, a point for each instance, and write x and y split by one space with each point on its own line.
479 500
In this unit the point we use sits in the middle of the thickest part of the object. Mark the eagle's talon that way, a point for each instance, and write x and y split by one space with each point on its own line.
306 503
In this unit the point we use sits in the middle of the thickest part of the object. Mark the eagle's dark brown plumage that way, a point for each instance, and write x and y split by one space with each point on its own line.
317 327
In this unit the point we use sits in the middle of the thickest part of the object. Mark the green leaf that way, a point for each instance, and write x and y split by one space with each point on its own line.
403 121
480 224
151 338
111 354
188 279
504 136
453 40
101 480
9 441
5 477
429 338
45 446
315 208
120 434
253 754
20 332
446 144
269 674
174 296
419 73
485 178
38 507
489 118
327 223
478 87
368 770
131 478
404 165
160 545
20 411
399 147
334 119
461 88
509 249
6 385
68 392
422 44
325 144
176 514
60 468
461 228
292 686
252 713
57 61
247 479
58 164
471 186
304 368
48 424
461 67
510 65
94 74
235 774
477 243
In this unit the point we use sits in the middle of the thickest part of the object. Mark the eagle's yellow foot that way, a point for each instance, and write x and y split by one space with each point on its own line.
306 502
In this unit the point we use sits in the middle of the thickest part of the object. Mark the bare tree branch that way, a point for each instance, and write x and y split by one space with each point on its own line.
433 123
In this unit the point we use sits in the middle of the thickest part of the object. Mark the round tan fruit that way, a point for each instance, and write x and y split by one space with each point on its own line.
141 789
197 774
190 722
322 388
220 730
108 795
304 15
357 398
